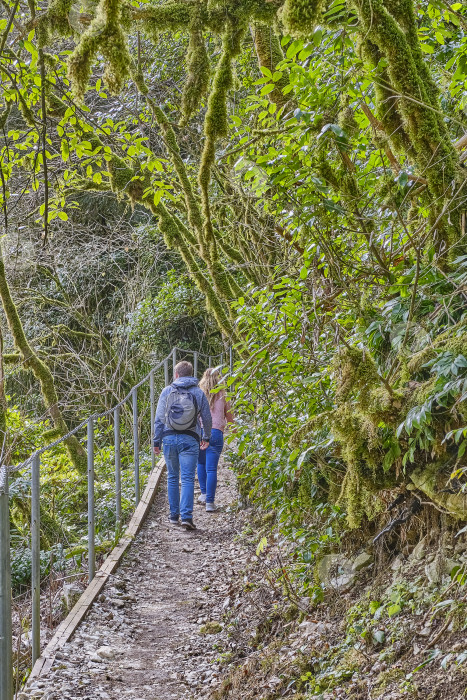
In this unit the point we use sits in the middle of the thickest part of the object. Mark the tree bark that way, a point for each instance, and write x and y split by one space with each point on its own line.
269 53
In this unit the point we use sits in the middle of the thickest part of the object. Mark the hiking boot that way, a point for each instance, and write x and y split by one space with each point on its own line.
211 507
188 524
174 521
202 498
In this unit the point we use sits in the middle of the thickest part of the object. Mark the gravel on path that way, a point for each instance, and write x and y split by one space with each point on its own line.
155 632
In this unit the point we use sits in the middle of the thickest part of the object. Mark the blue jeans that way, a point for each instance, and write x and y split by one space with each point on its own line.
207 465
181 454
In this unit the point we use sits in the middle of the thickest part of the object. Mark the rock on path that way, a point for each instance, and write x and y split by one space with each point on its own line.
143 638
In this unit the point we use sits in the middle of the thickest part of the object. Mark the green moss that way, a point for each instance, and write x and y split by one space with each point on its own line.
211 628
387 678
347 120
197 82
394 37
55 22
215 125
326 171
431 480
138 78
301 16
354 370
386 103
104 34
55 106
167 16
4 115
25 110
269 53
173 232
124 180
455 342
363 405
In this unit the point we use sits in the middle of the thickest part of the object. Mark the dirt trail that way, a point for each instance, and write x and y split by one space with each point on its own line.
143 639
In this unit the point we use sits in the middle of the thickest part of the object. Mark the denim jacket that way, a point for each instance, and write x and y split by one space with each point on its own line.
160 429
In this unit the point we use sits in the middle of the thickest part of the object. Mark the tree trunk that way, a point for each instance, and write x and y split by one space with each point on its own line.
269 53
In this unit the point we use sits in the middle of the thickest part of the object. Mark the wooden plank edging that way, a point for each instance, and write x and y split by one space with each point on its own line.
68 626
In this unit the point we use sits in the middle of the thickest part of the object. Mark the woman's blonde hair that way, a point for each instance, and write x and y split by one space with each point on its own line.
209 382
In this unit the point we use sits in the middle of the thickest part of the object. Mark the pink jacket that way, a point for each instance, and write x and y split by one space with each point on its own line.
221 412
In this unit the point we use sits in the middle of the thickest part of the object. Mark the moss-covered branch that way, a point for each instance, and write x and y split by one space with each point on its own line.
104 34
215 126
269 54
389 30
197 81
39 368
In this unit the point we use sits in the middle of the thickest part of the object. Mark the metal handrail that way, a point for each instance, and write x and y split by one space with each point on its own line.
6 676
34 461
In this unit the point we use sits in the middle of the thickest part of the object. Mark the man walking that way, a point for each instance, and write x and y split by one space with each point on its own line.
178 429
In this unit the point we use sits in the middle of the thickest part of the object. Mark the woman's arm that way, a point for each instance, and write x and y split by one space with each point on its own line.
228 412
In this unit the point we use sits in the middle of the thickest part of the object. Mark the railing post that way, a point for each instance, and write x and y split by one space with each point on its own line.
91 521
222 359
209 360
118 468
195 364
174 362
36 556
136 442
166 372
153 416
231 359
6 667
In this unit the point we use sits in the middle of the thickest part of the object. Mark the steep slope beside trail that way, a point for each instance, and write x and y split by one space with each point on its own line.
149 636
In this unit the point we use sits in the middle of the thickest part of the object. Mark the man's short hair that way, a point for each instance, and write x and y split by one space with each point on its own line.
184 369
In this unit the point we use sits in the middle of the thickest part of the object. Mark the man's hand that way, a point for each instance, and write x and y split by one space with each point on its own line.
203 445
157 450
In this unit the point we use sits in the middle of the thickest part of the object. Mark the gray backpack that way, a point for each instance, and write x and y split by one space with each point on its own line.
181 409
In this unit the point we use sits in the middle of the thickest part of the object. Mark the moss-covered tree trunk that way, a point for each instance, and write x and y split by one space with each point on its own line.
40 370
269 54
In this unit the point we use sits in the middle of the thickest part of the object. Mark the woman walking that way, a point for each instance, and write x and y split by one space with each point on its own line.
208 459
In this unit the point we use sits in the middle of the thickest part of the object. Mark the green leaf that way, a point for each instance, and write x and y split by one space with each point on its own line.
65 150
267 89
294 48
394 609
30 47
379 636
